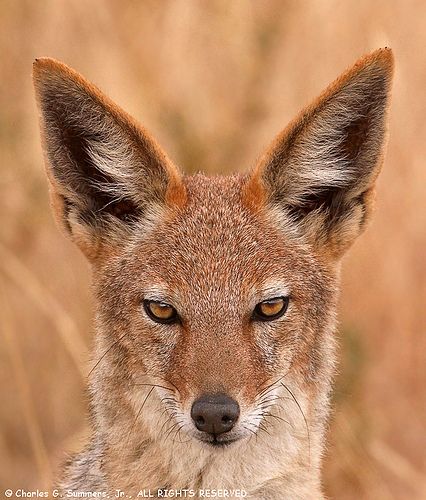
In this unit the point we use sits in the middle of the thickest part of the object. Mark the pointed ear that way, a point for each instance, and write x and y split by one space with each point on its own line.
106 173
322 168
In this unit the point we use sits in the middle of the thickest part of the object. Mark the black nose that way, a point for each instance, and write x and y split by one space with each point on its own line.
215 413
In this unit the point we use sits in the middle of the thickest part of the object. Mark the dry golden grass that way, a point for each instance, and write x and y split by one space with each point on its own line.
214 81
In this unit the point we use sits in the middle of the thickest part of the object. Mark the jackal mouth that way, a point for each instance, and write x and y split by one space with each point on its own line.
219 443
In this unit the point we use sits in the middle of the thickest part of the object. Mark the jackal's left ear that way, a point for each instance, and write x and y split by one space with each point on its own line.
321 169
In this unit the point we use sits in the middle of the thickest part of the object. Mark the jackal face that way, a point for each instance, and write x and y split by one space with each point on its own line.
213 293
217 302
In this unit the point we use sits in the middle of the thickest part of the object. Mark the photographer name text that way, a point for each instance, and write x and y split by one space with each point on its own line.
143 493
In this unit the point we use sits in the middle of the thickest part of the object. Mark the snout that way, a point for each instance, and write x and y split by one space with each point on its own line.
215 415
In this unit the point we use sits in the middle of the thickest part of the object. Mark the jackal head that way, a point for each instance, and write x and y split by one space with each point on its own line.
215 295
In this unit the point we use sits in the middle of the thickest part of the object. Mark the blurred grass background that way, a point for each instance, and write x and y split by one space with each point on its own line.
214 81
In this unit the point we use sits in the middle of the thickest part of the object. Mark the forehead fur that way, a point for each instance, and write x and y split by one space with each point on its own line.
219 249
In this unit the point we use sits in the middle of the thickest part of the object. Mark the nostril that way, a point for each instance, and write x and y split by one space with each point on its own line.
227 420
200 420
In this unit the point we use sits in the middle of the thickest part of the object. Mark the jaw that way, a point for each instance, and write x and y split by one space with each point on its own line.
146 457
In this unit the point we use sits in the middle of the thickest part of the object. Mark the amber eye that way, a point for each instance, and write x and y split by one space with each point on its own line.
160 312
270 309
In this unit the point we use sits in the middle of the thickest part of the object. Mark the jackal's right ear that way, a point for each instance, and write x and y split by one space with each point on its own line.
106 172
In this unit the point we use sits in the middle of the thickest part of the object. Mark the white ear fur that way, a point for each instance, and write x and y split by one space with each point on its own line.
105 170
321 169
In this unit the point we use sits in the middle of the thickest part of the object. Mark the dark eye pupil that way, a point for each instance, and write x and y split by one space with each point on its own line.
271 309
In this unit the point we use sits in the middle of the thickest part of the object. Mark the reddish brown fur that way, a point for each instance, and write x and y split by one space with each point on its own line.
212 248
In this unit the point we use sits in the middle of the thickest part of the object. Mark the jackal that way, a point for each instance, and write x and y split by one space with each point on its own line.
215 296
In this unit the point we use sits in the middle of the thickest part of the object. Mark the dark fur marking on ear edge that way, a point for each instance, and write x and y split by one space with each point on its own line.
65 213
